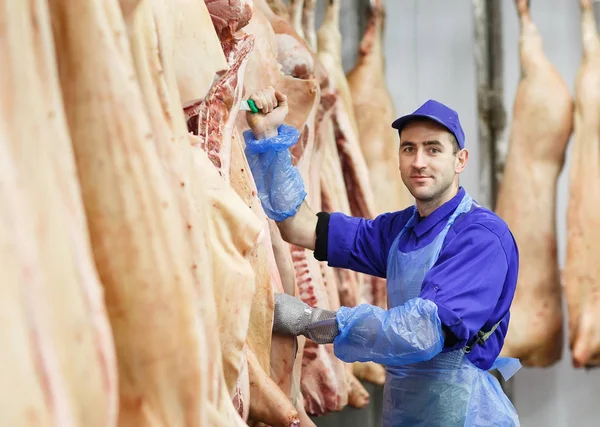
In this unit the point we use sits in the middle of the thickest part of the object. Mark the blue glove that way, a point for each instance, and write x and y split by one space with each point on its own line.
403 335
279 184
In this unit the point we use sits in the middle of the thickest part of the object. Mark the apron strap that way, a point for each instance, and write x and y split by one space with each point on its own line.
481 338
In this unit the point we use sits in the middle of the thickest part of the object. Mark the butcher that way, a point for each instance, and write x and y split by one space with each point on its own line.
450 264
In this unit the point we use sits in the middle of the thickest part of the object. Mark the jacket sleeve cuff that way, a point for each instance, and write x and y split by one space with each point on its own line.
454 323
322 232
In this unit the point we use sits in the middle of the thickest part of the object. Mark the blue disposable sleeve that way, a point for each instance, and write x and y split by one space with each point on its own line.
279 183
403 335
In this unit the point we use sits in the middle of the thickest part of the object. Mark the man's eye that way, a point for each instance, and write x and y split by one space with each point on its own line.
435 150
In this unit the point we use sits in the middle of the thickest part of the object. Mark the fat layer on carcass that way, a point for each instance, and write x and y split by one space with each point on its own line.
59 366
540 130
582 269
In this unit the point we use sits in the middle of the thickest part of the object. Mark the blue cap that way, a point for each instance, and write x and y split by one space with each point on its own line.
439 113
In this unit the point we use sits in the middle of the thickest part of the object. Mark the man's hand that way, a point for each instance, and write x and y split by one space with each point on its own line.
265 123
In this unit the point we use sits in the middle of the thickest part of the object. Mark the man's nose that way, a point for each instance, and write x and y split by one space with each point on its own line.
419 160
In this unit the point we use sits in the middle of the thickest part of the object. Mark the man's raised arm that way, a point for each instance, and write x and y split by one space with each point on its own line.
280 186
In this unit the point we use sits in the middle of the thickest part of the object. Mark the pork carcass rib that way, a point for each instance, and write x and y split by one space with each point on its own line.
59 361
541 126
356 179
335 199
582 269
136 226
297 60
374 112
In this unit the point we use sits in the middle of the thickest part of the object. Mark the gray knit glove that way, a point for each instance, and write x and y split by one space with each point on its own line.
295 317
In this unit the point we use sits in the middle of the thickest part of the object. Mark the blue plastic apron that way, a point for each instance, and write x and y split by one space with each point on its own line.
448 390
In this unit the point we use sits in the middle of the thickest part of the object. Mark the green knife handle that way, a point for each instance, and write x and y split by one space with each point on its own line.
253 106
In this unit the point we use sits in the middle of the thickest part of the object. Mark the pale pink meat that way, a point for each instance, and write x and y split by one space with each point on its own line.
319 383
543 111
294 55
358 396
229 16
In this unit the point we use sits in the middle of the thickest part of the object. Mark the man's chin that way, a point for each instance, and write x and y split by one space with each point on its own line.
422 194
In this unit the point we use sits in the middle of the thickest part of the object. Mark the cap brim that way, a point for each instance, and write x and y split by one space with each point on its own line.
402 121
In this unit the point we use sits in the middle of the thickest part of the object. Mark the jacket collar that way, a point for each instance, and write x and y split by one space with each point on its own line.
423 225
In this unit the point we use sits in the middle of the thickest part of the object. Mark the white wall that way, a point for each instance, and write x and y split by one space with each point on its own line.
429 55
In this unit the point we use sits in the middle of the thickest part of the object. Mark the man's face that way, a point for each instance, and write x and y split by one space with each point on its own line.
429 164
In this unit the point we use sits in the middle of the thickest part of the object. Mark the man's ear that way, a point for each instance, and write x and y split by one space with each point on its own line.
462 157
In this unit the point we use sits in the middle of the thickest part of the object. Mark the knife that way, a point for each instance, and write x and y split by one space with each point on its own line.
250 105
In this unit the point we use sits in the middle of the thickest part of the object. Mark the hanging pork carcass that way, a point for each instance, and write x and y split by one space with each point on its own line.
582 273
58 365
540 129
